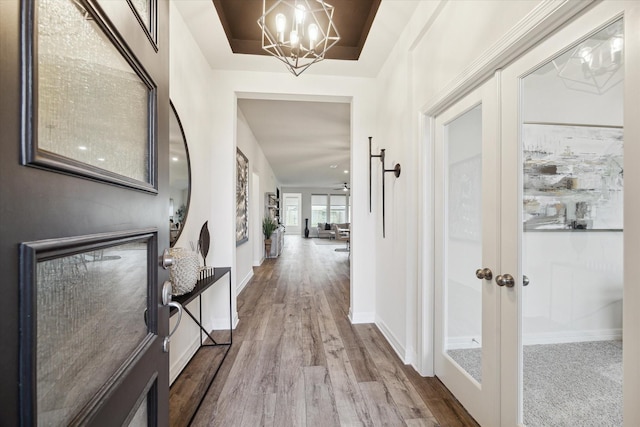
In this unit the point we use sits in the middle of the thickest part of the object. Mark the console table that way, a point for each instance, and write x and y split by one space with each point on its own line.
207 279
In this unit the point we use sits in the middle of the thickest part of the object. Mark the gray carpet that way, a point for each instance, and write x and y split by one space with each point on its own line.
575 384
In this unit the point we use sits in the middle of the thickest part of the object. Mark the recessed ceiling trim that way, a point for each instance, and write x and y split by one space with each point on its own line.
238 21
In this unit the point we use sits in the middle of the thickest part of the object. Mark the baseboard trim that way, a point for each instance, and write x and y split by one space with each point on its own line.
561 337
411 357
235 320
361 317
572 336
392 340
182 361
244 282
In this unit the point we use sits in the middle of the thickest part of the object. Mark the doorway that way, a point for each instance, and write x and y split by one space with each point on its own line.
292 206
530 235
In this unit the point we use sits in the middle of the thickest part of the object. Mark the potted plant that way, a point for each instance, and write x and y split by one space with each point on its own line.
268 227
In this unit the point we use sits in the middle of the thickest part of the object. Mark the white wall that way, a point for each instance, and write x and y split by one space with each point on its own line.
211 186
258 165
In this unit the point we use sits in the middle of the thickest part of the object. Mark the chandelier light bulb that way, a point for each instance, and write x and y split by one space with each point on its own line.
617 44
294 39
281 23
300 12
586 55
313 36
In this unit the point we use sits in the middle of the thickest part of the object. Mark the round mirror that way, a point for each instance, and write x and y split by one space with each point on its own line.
179 177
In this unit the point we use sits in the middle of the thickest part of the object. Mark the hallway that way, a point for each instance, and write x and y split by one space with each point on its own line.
296 359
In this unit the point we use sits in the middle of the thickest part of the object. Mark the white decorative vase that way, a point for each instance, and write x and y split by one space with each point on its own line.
184 272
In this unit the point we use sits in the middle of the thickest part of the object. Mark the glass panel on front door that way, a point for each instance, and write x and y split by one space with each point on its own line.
572 253
463 242
92 106
90 318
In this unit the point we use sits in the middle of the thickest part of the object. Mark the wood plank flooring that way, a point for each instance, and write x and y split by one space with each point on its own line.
296 360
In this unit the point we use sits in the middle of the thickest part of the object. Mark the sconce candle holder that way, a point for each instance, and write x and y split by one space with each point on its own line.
396 171
371 156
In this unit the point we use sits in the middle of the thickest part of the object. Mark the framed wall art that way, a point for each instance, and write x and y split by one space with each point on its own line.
573 177
242 198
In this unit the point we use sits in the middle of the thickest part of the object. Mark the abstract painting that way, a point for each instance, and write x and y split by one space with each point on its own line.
242 198
573 177
465 199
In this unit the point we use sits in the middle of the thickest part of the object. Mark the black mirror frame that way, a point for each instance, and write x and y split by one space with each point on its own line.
186 149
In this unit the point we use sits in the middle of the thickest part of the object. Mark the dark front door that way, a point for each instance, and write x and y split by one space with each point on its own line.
84 113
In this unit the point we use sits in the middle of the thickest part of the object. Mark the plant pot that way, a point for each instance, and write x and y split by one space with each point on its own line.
267 247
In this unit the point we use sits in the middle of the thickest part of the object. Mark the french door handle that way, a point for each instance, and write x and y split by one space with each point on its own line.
505 280
166 301
484 274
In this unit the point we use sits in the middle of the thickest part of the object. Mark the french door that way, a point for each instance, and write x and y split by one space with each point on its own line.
535 212
467 304
84 173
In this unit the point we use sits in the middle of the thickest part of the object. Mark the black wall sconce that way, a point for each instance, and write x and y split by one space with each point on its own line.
396 171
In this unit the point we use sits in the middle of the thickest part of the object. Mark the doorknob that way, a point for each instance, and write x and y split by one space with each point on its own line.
505 280
484 274
167 259
525 280
166 301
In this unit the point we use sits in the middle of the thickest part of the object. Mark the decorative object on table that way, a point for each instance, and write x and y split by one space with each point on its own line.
298 33
206 272
204 241
306 228
573 177
396 171
184 272
242 198
268 227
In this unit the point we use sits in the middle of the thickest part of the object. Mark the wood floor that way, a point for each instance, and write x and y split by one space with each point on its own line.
296 360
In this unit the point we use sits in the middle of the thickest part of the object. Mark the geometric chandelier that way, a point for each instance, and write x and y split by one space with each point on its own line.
298 32
596 64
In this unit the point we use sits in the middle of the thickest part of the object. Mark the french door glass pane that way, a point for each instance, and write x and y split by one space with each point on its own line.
572 254
90 318
463 291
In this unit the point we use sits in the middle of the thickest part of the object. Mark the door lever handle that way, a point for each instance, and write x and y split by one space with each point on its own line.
484 274
166 301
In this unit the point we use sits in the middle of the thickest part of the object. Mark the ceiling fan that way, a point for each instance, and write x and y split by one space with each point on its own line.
345 187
